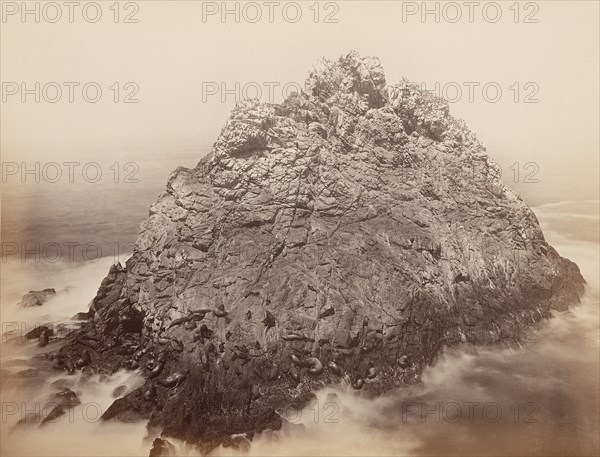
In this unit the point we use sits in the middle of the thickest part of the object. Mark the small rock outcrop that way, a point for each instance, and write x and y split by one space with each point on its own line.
58 404
344 236
36 298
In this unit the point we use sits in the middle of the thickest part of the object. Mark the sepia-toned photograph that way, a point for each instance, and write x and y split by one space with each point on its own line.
353 228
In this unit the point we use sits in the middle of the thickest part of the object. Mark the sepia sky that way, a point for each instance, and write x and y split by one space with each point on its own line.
174 57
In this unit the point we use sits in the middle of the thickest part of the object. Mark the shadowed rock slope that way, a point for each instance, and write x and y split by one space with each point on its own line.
344 236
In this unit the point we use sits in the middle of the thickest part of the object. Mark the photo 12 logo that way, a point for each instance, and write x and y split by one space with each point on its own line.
488 91
470 12
326 412
23 332
69 92
51 412
70 12
71 172
270 12
266 91
65 251
471 412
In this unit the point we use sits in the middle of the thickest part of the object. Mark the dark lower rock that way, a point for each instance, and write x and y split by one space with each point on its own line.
53 415
82 316
131 409
65 398
37 332
56 406
162 448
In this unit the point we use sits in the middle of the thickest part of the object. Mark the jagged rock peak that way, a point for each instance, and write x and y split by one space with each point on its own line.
348 99
349 74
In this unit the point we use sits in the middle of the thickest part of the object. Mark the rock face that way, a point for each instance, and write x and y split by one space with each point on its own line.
346 235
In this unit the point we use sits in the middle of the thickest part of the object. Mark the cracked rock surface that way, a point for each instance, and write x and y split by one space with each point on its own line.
344 236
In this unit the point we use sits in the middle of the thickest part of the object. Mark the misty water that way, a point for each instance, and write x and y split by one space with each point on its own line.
541 398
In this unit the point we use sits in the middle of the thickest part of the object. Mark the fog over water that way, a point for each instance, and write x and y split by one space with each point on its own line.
539 399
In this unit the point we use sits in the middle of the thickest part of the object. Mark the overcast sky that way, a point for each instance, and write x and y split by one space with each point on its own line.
173 57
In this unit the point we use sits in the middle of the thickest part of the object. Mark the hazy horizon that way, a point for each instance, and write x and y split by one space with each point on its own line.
175 59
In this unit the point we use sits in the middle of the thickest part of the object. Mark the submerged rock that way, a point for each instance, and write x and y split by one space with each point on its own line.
56 406
358 227
36 298
162 448
38 331
82 316
65 398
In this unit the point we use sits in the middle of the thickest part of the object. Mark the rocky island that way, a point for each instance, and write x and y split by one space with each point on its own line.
343 237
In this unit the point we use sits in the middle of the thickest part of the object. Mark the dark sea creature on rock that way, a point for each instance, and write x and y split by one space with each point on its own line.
190 325
198 315
179 321
297 361
334 368
156 370
150 393
273 373
205 332
404 361
269 319
293 337
345 351
177 345
371 372
316 366
140 353
220 312
69 366
44 338
256 394
358 383
328 312
294 373
84 360
174 380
